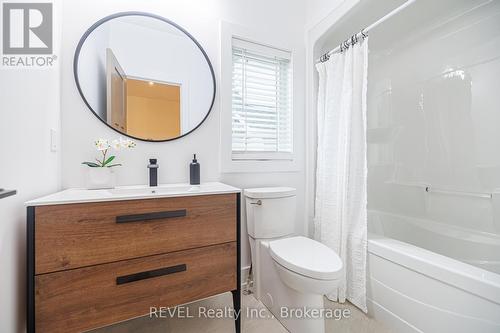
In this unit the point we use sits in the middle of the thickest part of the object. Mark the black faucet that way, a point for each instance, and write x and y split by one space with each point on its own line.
153 172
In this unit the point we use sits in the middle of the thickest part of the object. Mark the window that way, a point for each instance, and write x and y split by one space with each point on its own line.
261 102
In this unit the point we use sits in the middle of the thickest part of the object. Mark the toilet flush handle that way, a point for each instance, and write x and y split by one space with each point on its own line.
258 202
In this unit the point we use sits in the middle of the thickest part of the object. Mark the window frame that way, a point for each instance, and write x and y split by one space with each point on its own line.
270 52
251 161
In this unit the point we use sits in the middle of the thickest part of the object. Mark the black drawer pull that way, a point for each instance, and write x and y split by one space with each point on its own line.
150 274
150 216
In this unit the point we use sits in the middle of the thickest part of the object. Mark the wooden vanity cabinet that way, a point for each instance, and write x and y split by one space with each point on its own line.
97 263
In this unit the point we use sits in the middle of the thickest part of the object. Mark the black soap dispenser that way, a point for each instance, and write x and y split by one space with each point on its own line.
194 172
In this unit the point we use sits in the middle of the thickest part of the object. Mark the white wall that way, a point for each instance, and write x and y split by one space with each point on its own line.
201 19
29 108
317 10
27 114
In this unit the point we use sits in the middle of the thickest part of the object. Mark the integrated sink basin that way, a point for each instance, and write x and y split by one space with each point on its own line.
135 192
162 189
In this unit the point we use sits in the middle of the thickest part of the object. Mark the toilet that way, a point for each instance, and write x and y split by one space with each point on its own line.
290 273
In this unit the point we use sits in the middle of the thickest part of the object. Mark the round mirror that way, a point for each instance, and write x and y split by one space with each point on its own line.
144 76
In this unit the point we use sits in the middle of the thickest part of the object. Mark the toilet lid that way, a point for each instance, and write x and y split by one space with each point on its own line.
269 192
307 257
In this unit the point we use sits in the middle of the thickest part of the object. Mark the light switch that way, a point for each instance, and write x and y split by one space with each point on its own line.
53 140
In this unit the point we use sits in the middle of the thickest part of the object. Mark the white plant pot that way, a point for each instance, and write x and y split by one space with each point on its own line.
100 178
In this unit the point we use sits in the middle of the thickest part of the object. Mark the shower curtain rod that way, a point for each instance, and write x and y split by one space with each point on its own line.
363 33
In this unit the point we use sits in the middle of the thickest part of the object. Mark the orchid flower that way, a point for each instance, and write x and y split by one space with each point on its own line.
103 145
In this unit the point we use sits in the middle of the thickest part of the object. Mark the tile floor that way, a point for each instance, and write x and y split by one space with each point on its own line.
358 322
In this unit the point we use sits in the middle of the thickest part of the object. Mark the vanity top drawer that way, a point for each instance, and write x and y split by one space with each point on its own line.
86 298
78 235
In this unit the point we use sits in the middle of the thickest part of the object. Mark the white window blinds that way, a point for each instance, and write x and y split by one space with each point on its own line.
261 100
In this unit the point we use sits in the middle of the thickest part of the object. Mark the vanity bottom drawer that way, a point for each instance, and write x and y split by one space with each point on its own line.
85 298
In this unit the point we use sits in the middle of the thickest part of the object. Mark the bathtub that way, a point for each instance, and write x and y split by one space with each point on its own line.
412 289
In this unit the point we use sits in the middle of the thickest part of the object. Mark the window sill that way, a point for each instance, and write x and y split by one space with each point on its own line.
260 166
261 156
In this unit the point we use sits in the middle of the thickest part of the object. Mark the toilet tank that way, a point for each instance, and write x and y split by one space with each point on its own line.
270 211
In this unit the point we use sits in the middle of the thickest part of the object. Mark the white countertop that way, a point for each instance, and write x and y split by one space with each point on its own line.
136 192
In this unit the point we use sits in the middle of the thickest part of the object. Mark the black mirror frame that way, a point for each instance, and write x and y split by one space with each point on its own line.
135 13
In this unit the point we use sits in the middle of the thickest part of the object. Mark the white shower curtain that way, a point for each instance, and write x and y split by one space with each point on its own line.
341 172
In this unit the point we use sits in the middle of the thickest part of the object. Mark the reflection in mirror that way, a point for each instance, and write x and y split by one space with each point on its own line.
144 76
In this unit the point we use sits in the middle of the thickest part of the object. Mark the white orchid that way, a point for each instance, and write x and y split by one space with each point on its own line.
122 143
103 146
127 143
117 144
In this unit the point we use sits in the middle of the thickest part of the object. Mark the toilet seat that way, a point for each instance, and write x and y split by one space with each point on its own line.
307 257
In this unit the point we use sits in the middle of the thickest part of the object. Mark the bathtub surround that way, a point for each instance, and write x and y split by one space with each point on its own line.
340 216
431 123
434 166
